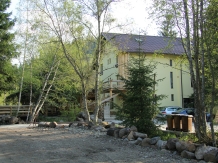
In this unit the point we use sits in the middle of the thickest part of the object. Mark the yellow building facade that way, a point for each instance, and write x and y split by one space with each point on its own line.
165 53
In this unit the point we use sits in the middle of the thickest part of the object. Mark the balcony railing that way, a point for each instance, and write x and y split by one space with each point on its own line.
113 84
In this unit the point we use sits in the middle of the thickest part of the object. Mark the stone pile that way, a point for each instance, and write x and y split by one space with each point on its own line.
186 149
7 119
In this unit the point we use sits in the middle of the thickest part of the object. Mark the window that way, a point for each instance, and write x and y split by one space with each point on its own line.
171 62
171 80
109 61
172 97
101 69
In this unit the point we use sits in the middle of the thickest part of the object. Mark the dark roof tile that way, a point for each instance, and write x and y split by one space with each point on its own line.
149 44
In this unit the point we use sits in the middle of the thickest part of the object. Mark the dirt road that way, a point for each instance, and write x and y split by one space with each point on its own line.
18 144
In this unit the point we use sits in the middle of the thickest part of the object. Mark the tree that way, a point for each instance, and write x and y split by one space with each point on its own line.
60 20
189 17
140 103
167 25
7 48
211 50
98 9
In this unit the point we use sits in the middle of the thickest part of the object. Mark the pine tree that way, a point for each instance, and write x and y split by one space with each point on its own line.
139 101
7 49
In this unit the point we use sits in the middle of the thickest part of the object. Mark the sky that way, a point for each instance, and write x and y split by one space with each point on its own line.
135 11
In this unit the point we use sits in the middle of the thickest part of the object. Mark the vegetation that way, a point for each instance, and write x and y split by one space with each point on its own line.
140 102
7 49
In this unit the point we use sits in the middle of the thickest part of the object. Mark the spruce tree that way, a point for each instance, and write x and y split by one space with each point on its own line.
140 103
7 49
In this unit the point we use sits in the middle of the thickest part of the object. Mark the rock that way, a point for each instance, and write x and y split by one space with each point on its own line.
90 125
81 123
133 128
80 119
145 142
138 141
110 131
123 132
161 144
81 115
13 120
139 135
130 136
187 154
70 124
112 125
53 124
184 145
104 123
43 124
154 140
116 133
180 146
210 156
171 143
200 151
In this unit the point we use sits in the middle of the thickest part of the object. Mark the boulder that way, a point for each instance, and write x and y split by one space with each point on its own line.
53 124
116 133
112 125
123 132
188 155
130 136
161 144
210 156
133 128
13 120
138 141
82 115
80 119
90 125
104 123
44 124
110 131
184 145
145 142
171 143
154 140
201 150
70 124
139 135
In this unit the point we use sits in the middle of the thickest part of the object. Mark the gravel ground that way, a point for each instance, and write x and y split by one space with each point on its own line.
19 144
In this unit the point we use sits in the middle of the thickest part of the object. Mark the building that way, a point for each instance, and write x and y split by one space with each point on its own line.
167 53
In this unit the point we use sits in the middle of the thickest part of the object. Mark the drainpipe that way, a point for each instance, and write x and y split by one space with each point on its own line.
181 85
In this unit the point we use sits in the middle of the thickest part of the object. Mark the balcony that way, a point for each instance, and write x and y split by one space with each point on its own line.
114 85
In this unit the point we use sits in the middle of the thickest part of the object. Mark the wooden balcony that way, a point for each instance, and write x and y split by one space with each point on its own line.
113 85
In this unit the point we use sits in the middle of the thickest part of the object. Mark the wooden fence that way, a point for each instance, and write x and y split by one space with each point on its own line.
12 110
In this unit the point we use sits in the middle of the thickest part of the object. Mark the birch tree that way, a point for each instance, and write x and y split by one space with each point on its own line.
98 11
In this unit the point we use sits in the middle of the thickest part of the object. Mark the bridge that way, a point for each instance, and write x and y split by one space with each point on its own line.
12 110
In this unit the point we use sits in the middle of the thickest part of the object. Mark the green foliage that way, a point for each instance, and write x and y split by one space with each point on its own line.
70 115
140 102
189 137
166 135
7 49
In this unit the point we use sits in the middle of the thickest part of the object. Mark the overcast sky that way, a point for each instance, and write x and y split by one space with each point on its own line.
134 10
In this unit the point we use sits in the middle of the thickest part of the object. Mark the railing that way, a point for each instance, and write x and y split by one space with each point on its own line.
12 110
113 84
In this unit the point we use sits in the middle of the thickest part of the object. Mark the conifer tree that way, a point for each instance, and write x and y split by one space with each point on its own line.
6 46
140 102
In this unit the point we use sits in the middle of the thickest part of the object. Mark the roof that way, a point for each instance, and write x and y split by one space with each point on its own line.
146 44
